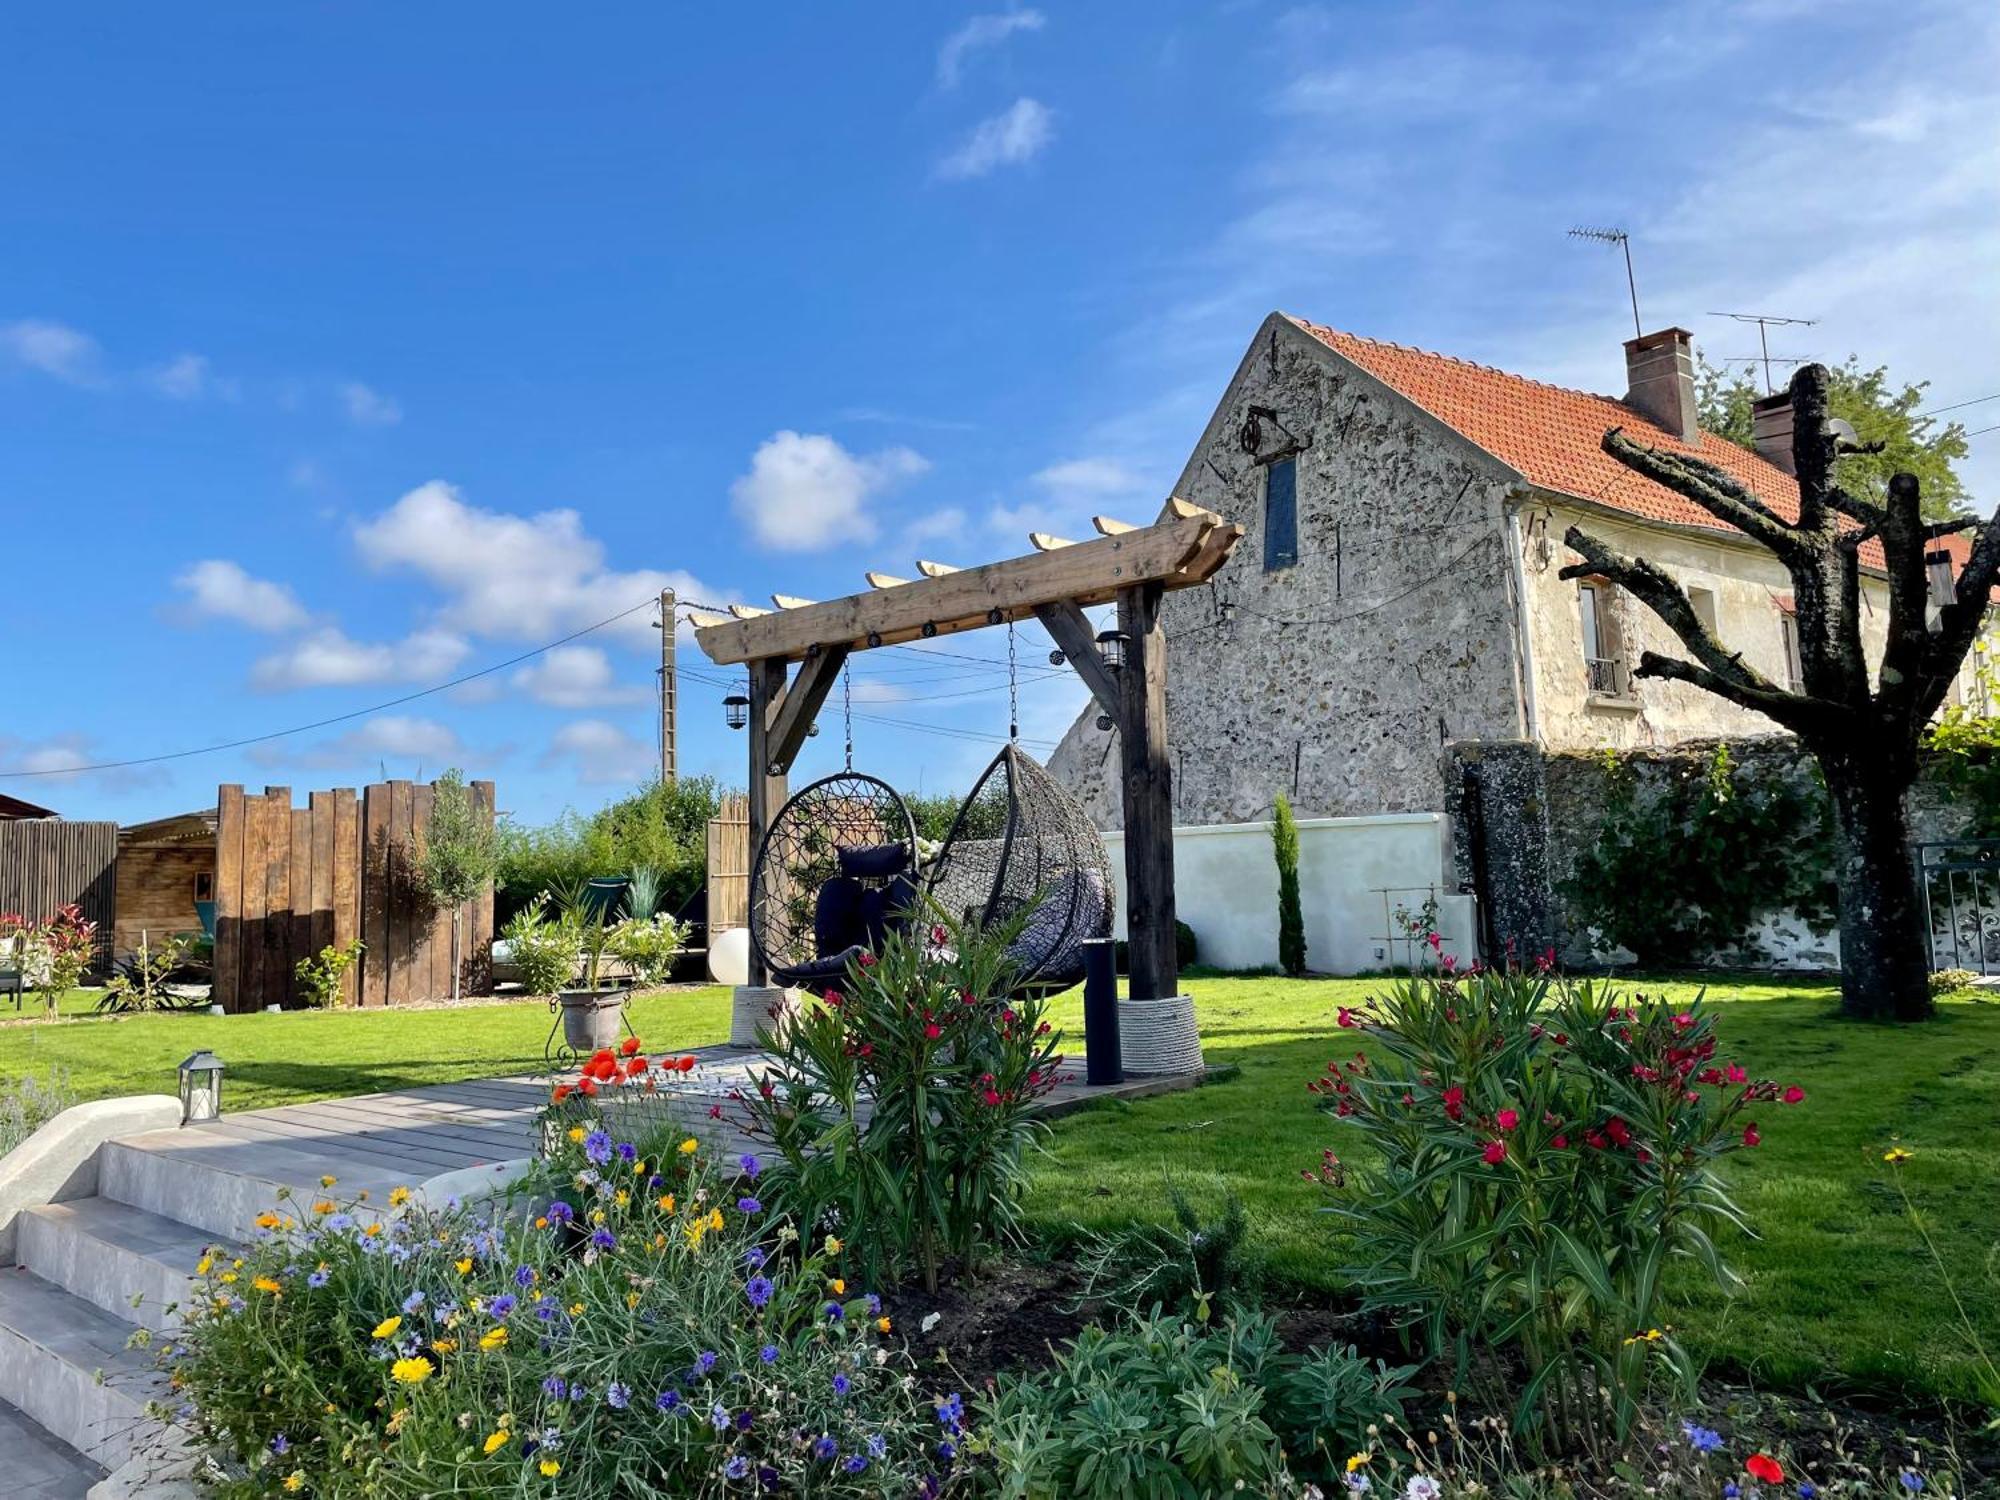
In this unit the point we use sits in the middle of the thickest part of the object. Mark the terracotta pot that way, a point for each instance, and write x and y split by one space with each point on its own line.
593 1018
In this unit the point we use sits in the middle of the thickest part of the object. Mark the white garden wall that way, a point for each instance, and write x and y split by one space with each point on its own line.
1226 889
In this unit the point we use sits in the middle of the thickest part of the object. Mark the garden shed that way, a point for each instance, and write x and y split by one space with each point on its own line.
165 878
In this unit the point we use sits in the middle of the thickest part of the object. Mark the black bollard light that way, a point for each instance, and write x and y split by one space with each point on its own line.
1102 1061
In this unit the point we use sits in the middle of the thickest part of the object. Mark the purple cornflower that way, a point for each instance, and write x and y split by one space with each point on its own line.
1911 1480
318 1279
281 1445
1701 1439
840 1385
617 1396
627 1152
546 1308
855 1464
555 1386
769 1354
835 1312
597 1146
603 1238
718 1417
667 1401
745 1420
704 1362
414 1301
754 1258
758 1290
750 1167
749 1206
825 1448
501 1305
737 1467
559 1212
525 1277
874 1306
951 1412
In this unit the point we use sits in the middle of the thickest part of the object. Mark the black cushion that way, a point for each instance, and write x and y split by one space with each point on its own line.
875 861
839 916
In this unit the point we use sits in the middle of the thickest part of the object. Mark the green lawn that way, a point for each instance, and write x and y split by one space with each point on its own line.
1841 1294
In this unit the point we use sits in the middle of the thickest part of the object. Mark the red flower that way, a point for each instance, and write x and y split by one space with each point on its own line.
1560 1142
562 1092
627 1047
1454 1102
1762 1466
938 934
1794 1094
587 1087
714 1110
932 1031
1683 1021
1735 1074
1346 1018
867 960
992 1099
1507 1119
1751 1138
684 1065
1619 1131
1495 1153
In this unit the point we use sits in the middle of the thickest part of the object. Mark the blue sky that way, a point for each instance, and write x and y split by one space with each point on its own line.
346 349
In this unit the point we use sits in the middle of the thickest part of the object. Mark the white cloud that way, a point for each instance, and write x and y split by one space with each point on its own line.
218 589
601 754
54 349
367 407
980 32
385 737
1016 135
510 576
934 525
575 677
57 761
1089 478
329 658
804 491
190 377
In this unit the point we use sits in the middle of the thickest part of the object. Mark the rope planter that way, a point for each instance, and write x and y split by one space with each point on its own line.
756 1008
1159 1036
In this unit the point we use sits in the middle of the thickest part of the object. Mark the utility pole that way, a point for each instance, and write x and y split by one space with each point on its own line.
669 692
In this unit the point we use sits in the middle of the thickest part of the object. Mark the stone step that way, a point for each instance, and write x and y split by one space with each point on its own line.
66 1363
212 1197
128 1261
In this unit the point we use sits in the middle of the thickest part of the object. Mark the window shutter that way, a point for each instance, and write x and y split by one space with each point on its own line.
1281 515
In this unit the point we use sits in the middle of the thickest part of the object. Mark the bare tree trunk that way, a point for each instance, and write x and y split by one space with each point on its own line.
1884 945
456 913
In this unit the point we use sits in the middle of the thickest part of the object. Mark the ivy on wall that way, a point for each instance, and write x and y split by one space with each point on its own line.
1964 748
1687 855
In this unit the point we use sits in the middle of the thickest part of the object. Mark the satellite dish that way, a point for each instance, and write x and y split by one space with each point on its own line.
1842 432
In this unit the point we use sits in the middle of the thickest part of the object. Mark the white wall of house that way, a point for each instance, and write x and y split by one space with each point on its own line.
1226 889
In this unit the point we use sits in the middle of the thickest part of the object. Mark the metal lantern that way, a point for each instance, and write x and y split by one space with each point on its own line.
736 710
201 1088
1111 646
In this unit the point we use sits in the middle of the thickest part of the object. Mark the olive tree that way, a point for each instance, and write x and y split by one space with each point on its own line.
459 855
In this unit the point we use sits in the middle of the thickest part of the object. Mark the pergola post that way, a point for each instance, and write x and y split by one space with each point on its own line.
767 791
1149 796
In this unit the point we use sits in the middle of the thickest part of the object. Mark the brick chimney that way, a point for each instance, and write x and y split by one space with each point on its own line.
1659 375
1771 430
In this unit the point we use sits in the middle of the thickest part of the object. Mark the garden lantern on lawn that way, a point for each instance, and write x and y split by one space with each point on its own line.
201 1088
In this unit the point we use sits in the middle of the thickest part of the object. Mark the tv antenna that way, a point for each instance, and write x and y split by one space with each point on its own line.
1623 241
1766 357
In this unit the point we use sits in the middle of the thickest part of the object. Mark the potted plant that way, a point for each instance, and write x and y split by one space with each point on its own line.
593 1010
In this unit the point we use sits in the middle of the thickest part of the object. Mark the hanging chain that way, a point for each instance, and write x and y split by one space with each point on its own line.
847 711
1013 691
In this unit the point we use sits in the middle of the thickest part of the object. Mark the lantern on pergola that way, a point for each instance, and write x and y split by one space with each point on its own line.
201 1088
736 710
1111 646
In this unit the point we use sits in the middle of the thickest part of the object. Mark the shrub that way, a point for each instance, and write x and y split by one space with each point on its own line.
662 827
1952 982
1164 1407
1291 916
459 856
648 946
898 1104
319 974
544 949
1190 1266
27 1105
54 955
141 981
648 1328
1539 1154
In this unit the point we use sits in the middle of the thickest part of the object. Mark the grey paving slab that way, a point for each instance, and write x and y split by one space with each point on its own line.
37 1465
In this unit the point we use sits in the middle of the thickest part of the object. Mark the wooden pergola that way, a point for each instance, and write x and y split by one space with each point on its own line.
1134 565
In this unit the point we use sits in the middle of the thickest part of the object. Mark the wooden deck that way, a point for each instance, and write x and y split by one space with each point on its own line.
375 1142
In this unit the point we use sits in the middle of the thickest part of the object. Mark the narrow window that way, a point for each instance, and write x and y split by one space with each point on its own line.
1604 671
1703 602
204 887
1281 514
1788 630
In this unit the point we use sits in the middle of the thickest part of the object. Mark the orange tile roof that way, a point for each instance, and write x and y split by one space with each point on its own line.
1551 436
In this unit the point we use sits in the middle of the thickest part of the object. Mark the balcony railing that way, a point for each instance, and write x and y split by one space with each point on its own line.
1607 676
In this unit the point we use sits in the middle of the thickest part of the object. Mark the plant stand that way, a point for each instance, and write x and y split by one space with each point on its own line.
757 1007
585 1020
1159 1036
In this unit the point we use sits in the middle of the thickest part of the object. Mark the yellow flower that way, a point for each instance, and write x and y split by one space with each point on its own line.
576 1309
1650 1336
327 1182
493 1338
1359 1461
324 1206
689 1146
621 1197
398 1196
638 1169
631 1300
443 1346
295 1481
203 1266
882 1325
550 1468
666 1203
227 1277
267 1284
412 1371
576 1132
497 1441
386 1329
715 1218
839 1286
372 1230
1895 1156
267 1220
463 1265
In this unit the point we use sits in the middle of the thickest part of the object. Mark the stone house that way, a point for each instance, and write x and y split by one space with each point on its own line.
1397 589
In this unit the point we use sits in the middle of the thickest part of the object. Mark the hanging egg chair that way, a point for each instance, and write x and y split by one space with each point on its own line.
1023 843
834 873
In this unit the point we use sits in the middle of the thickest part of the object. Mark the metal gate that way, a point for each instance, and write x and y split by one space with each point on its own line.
1961 882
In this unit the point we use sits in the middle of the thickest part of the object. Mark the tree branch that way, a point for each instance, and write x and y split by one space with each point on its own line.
1959 622
1788 709
1706 485
1866 512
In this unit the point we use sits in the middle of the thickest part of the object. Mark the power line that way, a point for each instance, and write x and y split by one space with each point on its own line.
359 713
1956 405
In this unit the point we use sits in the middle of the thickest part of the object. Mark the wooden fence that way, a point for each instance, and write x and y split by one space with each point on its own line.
46 863
729 866
289 881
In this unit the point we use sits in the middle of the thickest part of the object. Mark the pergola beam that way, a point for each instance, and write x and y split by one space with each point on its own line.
1070 630
793 714
1182 549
